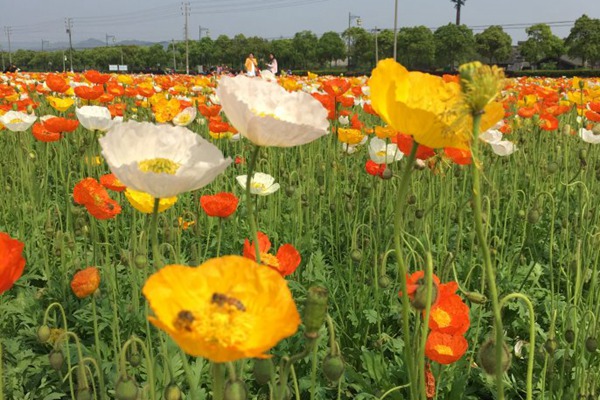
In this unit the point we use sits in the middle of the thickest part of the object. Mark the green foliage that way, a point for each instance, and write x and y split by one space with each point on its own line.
454 44
416 47
584 40
541 44
330 48
494 44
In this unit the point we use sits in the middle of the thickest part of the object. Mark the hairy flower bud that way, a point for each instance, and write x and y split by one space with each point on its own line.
126 388
315 310
333 367
235 390
43 333
263 370
480 84
487 357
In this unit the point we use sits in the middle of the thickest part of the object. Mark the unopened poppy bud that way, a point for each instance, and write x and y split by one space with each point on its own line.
134 359
384 281
480 84
551 345
570 336
235 390
140 261
356 255
84 393
172 392
126 388
333 367
533 216
43 333
263 370
56 359
387 173
591 344
487 357
419 300
315 310
476 297
290 190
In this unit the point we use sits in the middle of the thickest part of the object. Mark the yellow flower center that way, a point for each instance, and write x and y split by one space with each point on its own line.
381 153
269 260
444 350
159 166
184 119
258 186
441 317
16 121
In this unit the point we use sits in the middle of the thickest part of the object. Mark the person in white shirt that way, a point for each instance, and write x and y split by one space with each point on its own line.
272 64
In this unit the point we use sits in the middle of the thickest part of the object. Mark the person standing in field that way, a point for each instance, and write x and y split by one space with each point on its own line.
272 64
251 65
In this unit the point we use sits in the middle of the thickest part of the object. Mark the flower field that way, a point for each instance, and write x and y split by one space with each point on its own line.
398 236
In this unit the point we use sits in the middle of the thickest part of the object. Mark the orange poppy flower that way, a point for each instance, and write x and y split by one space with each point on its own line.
209 111
548 122
285 261
89 92
368 108
336 87
96 77
594 106
405 144
115 89
355 123
12 262
220 205
218 126
346 101
89 193
527 112
459 156
131 91
60 124
328 102
444 348
592 116
111 182
85 282
117 110
429 382
57 83
415 287
450 314
44 135
374 169
145 91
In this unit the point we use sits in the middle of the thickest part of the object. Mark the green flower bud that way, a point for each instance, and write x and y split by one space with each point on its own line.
315 310
84 393
263 370
172 392
384 281
419 300
387 173
551 345
43 333
140 261
534 216
487 357
356 255
570 336
476 297
591 344
126 388
235 390
56 359
333 367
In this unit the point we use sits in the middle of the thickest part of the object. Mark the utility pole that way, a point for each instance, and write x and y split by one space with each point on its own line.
8 31
174 62
45 42
395 29
186 13
69 27
376 31
358 23
2 53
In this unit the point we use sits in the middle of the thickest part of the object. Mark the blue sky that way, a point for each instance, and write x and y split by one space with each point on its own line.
158 20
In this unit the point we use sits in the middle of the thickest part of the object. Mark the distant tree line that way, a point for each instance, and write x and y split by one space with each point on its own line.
418 48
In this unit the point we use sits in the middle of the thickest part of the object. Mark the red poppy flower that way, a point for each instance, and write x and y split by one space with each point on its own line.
374 169
527 112
220 205
369 109
328 102
44 135
12 262
459 156
336 87
218 126
85 282
239 160
115 89
592 116
285 261
449 315
92 195
594 106
89 92
111 182
57 83
60 124
355 123
209 111
96 77
444 348
405 143
346 101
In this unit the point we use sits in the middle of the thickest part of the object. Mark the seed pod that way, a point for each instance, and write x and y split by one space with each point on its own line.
333 367
263 370
411 200
419 214
315 310
172 392
43 333
487 357
126 388
56 359
235 390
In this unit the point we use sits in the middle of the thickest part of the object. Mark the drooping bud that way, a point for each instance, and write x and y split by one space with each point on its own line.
419 300
384 281
263 370
570 336
487 357
315 310
333 367
84 393
56 359
476 297
235 390
126 388
43 333
551 345
591 344
172 392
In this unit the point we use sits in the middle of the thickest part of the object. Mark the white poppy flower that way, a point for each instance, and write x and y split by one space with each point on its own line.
17 121
503 147
94 118
185 116
491 136
383 153
268 115
261 184
588 136
344 120
268 76
161 160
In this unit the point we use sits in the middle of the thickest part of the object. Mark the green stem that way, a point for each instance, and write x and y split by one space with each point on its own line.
219 235
154 234
218 374
1 375
97 346
148 360
249 204
398 214
530 358
487 259
188 374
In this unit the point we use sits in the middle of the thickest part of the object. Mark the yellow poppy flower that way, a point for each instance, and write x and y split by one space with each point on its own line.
350 136
60 104
143 202
226 309
125 79
424 106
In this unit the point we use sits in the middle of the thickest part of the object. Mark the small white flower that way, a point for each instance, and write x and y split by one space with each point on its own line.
185 116
268 76
588 136
261 184
384 153
17 121
344 120
94 118
493 137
